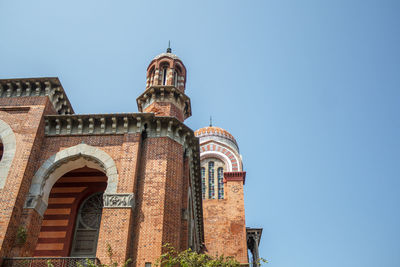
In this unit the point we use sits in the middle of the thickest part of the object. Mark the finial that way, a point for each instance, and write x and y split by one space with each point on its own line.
210 121
169 50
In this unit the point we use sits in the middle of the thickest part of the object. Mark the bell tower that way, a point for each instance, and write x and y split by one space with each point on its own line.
165 88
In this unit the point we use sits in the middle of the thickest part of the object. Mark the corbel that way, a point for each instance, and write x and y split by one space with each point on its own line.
37 90
9 90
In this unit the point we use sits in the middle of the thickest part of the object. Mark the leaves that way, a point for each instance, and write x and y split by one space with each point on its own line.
189 258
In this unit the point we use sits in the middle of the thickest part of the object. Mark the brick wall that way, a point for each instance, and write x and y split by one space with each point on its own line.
165 109
159 203
224 223
25 116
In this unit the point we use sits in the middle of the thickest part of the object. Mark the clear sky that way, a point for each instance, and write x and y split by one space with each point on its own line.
310 89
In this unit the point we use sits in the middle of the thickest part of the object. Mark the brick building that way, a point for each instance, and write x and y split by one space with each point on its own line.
76 185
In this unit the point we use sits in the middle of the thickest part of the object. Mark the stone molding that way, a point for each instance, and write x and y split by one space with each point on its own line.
165 93
36 203
64 161
121 200
7 137
50 87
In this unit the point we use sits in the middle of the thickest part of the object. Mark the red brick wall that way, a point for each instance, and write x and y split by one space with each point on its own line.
159 199
28 126
224 223
165 109
185 186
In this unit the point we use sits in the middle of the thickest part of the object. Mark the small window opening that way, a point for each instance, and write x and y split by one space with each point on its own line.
164 78
176 79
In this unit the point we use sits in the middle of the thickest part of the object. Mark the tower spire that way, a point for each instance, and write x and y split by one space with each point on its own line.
169 50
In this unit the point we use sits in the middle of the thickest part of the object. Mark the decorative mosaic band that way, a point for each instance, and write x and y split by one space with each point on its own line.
119 200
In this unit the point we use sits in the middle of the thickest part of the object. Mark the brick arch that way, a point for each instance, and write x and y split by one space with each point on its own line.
64 161
7 137
223 152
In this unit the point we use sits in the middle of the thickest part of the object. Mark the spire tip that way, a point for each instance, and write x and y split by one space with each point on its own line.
169 50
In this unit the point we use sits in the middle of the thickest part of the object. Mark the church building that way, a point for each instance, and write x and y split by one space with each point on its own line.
77 186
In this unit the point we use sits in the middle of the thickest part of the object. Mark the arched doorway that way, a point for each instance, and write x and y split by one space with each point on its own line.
70 225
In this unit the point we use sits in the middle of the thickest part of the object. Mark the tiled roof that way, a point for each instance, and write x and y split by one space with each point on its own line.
216 131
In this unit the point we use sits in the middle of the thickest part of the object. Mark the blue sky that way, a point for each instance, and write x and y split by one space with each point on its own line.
310 89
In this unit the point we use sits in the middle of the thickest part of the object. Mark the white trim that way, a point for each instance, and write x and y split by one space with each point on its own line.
217 154
223 146
64 161
7 137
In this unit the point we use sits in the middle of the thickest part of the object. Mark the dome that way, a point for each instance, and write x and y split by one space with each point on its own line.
214 131
167 54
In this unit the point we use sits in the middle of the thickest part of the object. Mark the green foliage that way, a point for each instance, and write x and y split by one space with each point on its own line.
21 235
189 258
110 253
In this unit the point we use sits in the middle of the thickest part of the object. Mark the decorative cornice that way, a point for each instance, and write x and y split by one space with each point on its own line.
165 93
112 124
50 87
119 200
235 176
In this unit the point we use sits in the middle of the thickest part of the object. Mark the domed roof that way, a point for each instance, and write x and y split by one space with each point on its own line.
214 131
168 54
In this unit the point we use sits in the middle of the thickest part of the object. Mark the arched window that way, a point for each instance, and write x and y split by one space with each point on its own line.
203 182
87 226
220 183
175 79
211 193
164 73
151 77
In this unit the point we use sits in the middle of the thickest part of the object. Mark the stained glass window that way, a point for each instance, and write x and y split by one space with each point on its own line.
220 183
203 182
211 193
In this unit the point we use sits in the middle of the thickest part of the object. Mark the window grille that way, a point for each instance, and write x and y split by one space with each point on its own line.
211 193
203 182
220 183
